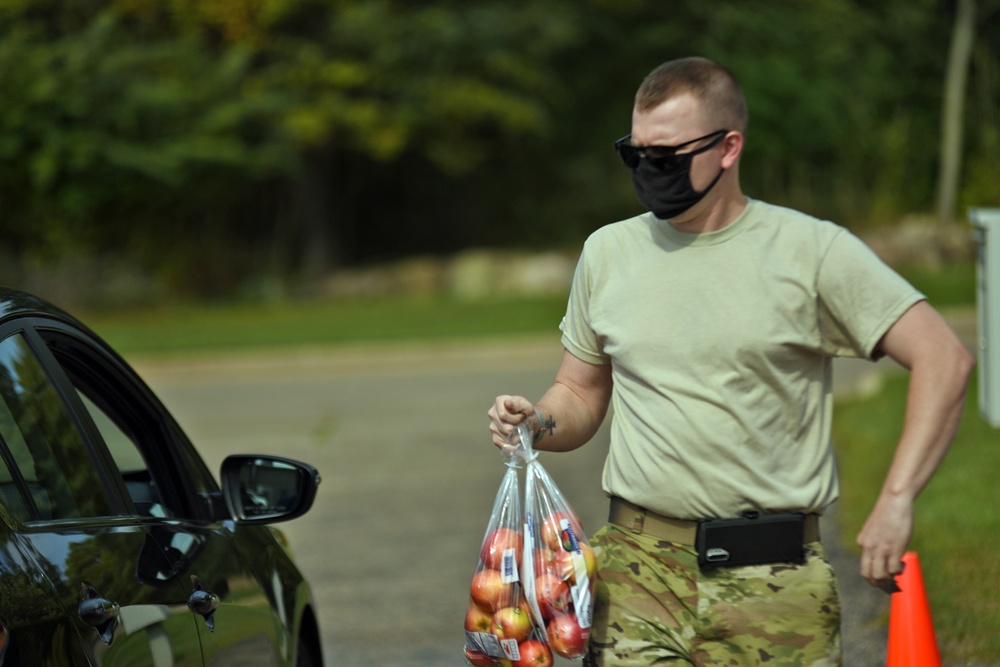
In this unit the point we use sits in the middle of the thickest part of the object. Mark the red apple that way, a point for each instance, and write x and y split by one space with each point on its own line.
533 654
544 560
489 591
563 563
496 543
522 603
477 659
551 531
478 619
552 594
512 623
566 637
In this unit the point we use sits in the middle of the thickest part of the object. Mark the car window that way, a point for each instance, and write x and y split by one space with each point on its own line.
10 494
200 481
160 473
46 457
132 465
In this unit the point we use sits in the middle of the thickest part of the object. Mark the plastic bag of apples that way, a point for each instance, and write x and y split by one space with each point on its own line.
499 629
532 590
559 573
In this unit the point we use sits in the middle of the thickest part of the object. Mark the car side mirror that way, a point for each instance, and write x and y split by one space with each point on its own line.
267 489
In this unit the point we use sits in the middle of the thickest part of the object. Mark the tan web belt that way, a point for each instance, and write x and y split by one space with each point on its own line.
679 531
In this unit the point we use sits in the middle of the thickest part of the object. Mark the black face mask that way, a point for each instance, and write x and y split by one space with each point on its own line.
668 193
663 184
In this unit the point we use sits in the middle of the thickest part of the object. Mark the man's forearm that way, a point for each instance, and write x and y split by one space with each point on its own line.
564 421
940 366
933 412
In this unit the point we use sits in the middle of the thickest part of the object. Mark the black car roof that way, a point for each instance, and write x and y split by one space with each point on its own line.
15 304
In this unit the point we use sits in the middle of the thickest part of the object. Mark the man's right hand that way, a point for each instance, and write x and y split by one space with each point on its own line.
570 412
505 415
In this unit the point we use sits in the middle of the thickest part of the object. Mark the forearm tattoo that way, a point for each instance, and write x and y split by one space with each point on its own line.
545 426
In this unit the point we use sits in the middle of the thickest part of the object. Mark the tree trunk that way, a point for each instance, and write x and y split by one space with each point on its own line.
952 125
314 207
305 240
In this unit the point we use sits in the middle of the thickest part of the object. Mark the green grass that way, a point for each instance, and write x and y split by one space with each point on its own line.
946 286
957 533
200 328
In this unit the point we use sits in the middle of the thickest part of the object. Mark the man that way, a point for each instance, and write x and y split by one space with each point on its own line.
709 324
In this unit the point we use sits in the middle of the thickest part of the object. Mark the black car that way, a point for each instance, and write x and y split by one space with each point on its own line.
117 546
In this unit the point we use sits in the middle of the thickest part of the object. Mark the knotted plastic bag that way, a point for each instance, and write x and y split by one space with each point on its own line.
558 563
499 626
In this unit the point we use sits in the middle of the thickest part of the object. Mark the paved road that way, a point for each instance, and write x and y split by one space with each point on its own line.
408 481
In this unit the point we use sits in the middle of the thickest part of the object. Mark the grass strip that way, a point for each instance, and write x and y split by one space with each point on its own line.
202 328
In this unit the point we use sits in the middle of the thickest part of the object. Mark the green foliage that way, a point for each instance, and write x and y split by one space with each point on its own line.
135 127
215 141
384 77
836 128
99 129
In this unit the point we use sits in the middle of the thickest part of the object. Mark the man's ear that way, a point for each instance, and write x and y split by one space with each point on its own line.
732 148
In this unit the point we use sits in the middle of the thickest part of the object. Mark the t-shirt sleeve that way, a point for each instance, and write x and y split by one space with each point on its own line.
860 298
578 337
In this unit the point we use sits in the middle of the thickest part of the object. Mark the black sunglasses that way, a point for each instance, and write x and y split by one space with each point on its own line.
662 157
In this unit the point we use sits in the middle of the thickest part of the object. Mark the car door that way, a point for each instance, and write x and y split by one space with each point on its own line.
76 530
234 579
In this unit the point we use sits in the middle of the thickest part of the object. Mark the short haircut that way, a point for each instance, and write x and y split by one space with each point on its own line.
714 86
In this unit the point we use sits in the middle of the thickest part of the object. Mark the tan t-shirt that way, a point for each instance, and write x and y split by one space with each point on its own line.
720 346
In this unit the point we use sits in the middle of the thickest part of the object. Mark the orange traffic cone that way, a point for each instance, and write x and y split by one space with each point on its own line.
911 630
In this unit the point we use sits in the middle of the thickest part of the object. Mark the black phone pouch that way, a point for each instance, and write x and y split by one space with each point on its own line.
752 539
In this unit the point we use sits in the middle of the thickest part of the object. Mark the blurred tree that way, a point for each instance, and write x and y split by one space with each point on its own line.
952 116
146 127
970 127
217 140
446 85
829 85
108 139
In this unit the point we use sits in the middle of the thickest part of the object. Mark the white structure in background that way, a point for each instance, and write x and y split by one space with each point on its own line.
987 231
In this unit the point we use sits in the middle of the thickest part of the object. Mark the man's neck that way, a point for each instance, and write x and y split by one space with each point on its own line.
718 215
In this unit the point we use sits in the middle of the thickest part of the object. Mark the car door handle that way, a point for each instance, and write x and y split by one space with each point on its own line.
203 603
99 613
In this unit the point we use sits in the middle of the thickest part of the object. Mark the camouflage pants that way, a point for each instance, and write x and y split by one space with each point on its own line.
654 606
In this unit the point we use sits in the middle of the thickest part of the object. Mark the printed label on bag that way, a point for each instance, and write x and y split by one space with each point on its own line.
510 649
582 602
484 642
581 591
569 540
528 566
508 566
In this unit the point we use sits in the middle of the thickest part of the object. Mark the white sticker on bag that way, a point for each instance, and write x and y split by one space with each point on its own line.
528 562
508 566
581 591
510 649
582 603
